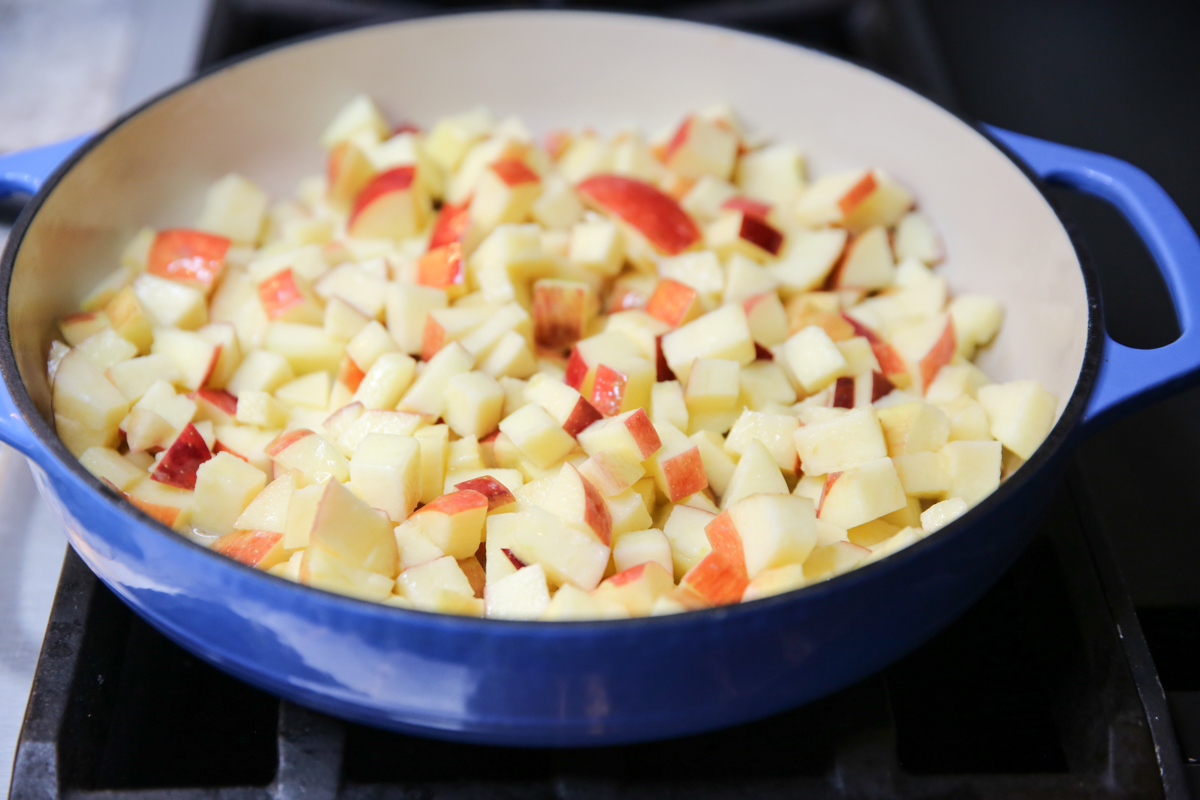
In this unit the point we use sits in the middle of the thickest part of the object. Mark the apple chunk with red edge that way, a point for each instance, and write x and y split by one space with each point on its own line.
775 529
188 256
390 206
498 496
720 577
677 468
182 459
505 192
575 500
651 212
567 406
562 312
674 303
860 494
454 522
571 553
632 431
259 549
637 588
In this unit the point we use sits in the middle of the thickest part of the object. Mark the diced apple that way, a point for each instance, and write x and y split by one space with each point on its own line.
1020 414
884 207
767 319
408 305
916 238
774 174
259 549
718 466
840 443
505 193
756 473
942 514
926 347
923 474
712 385
668 404
777 580
194 356
640 547
191 257
454 522
674 303
267 512
775 529
325 569
562 312
108 465
434 442
500 497
224 486
831 560
775 431
701 147
676 468
105 348
832 198
440 585
352 530
652 213
385 471
260 409
631 431
724 333
572 604
914 427
973 469
861 494
262 371
565 405
168 303
576 501
313 455
128 318
474 403
75 328
720 577
521 595
813 358
867 263
746 234
182 459
569 553
82 393
638 587
596 245
428 393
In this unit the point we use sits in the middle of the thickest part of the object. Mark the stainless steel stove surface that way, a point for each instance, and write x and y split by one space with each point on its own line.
1078 675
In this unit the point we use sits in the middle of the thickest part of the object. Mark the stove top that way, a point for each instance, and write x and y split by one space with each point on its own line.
1078 675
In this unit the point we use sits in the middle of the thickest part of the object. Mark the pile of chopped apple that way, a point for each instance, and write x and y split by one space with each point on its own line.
590 377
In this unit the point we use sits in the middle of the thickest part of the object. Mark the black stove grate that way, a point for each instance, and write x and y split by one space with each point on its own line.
1029 695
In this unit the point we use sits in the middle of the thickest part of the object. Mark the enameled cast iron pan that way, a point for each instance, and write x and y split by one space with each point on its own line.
519 683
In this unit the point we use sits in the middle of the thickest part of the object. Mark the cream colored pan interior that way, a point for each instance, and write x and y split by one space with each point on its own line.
263 117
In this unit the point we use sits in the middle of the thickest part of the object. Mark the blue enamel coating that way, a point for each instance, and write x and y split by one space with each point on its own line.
510 683
26 170
1131 378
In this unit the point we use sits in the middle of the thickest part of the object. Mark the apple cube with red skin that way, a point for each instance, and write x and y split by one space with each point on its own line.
391 205
193 355
747 234
652 213
612 471
639 547
562 312
576 501
568 407
313 455
182 459
506 192
407 306
499 498
775 529
674 303
347 171
287 297
163 502
926 347
454 522
701 147
259 549
861 493
444 268
188 256
720 577
631 431
890 361
677 468
637 588
622 383
832 198
588 354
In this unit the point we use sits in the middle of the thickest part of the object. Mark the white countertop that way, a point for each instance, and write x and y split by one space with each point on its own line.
66 67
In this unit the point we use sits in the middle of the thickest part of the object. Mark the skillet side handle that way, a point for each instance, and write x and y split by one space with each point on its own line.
1130 379
24 172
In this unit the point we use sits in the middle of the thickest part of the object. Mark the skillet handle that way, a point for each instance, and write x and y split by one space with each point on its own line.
24 172
1129 378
